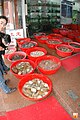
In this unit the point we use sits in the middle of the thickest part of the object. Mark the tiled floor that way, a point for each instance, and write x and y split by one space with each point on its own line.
65 85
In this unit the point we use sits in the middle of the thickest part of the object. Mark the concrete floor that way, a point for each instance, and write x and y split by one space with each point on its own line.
64 85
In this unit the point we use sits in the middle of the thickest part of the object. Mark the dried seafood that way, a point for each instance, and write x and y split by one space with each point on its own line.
64 49
28 45
17 57
43 38
37 53
75 45
48 64
22 68
66 40
54 42
9 51
39 34
35 88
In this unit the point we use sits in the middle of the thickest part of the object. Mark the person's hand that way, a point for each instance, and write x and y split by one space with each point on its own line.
1 48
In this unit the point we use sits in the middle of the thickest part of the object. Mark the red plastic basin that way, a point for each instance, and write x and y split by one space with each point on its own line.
75 46
18 53
71 35
64 53
74 26
33 58
30 77
17 62
43 39
53 59
38 35
64 32
66 40
55 36
21 40
26 48
77 38
53 45
11 50
55 30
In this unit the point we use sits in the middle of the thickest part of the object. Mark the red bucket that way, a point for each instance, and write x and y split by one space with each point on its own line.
71 35
74 26
77 38
64 32
51 43
55 30
67 50
21 40
29 78
66 40
16 54
19 61
75 46
38 35
35 44
36 49
56 64
58 36
43 39
9 51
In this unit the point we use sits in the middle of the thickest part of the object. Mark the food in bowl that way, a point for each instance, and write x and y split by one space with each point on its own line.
39 34
64 49
22 68
43 38
51 43
54 41
9 51
37 53
35 88
75 45
48 65
28 45
66 40
17 57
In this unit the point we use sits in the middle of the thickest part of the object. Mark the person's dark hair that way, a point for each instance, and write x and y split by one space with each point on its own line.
4 17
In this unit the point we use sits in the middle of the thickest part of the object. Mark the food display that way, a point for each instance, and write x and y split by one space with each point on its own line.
17 57
39 34
22 68
48 65
54 42
28 45
9 51
35 88
37 53
64 49
43 38
75 45
66 40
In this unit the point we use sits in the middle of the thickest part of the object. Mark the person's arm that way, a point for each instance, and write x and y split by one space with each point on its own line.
2 51
6 38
